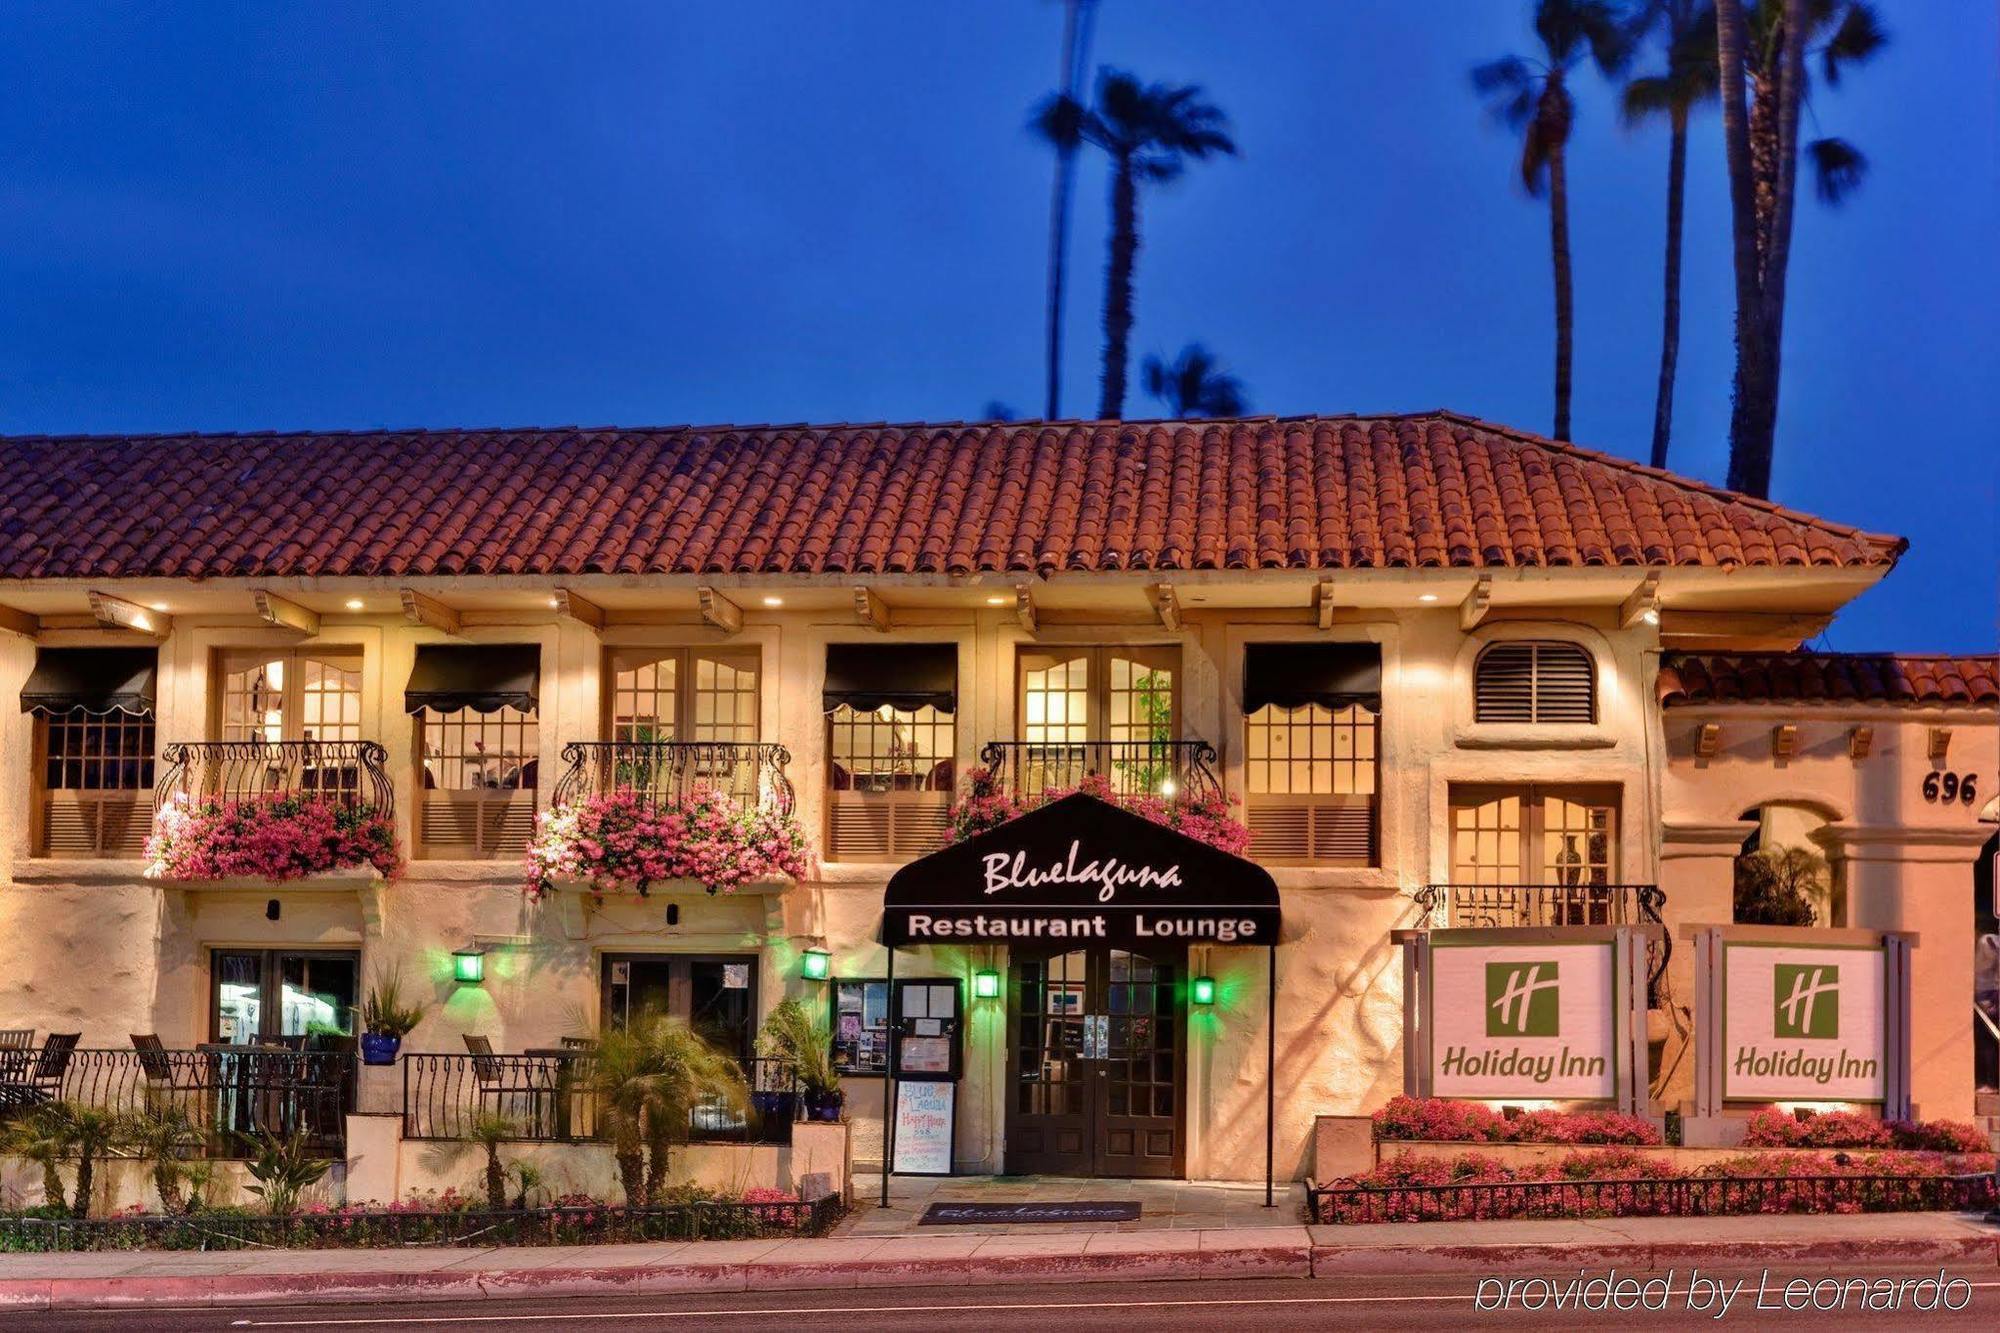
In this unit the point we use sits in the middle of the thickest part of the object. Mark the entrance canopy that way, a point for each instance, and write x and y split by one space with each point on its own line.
1086 872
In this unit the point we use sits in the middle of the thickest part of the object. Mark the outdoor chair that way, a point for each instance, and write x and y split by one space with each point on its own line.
503 1080
42 1079
16 1039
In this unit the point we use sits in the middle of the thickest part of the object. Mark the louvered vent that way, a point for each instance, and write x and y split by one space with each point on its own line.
885 826
1535 682
477 824
76 823
1336 830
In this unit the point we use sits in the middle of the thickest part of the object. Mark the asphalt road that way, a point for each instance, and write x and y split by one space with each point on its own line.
1427 1301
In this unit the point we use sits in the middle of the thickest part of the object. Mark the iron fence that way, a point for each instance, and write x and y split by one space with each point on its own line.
1690 1196
232 1095
1028 769
589 1224
668 771
1479 906
351 773
551 1097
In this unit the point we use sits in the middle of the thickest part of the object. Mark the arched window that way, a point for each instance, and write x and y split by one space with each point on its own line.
1531 681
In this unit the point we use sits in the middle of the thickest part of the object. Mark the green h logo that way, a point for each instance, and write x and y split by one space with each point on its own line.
1521 1000
1805 1000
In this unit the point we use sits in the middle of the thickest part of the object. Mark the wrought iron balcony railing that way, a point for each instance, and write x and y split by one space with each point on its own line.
1476 906
666 771
1027 769
347 772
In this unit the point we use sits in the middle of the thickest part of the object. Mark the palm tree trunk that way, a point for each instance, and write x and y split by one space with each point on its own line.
631 1158
1118 288
659 1149
52 1183
1076 20
1670 334
1748 388
1565 296
496 1179
85 1168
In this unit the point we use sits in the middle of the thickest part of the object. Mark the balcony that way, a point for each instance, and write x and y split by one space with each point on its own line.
1026 770
350 773
1481 906
666 772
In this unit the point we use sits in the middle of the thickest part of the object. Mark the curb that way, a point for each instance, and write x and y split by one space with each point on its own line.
1265 1259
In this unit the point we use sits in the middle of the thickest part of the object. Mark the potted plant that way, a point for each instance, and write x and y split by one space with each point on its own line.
802 1042
386 1019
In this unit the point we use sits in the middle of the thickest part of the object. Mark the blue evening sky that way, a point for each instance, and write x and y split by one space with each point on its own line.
288 215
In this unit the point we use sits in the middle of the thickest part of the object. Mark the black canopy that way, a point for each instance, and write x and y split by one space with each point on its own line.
864 676
1292 675
484 677
101 680
1081 870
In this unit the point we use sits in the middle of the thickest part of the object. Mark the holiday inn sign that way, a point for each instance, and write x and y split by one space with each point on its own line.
1522 1021
1802 1023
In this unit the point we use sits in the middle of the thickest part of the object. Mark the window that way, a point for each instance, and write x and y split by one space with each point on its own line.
1535 682
891 740
97 782
1311 735
479 744
283 696
298 997
716 995
686 695
1560 840
1096 711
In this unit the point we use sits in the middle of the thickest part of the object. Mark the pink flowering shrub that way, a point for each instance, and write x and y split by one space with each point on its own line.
627 840
1773 1128
271 837
1441 1120
1205 818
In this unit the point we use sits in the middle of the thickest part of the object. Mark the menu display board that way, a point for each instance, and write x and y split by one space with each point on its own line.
925 1121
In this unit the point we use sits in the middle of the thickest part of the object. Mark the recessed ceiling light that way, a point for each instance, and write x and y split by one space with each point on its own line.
354 603
996 600
159 606
774 601
1427 597
555 603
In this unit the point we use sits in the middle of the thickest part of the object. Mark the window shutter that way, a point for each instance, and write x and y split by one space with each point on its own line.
1535 682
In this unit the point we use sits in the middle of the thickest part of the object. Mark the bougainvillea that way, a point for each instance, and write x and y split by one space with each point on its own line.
274 838
1440 1120
626 840
1773 1128
1205 818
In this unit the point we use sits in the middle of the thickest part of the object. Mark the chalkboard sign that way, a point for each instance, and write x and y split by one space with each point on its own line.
925 1122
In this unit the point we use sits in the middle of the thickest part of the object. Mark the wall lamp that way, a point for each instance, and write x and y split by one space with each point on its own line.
469 965
986 984
815 964
1201 990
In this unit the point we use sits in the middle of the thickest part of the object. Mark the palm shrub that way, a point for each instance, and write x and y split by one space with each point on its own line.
284 1167
799 1039
169 1141
647 1078
95 1130
488 1130
45 1136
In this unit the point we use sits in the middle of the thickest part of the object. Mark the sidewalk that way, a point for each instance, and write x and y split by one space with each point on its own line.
36 1282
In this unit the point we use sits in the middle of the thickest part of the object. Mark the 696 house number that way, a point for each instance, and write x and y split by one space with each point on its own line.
1949 787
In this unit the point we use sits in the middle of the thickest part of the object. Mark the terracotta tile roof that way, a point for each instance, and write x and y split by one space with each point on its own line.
1828 678
1426 490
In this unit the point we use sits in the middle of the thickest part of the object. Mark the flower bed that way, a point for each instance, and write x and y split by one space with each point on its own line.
1772 1128
1203 818
446 1218
1440 1120
1623 1182
624 840
272 838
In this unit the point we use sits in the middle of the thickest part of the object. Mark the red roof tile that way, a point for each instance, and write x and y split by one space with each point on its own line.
1828 678
1428 490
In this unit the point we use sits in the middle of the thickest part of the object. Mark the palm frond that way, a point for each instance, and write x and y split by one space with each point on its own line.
1838 169
1646 97
1859 36
1059 120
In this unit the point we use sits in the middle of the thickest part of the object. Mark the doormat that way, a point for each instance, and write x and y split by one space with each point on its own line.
960 1214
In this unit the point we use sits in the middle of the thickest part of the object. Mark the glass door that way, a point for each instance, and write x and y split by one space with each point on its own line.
304 999
716 996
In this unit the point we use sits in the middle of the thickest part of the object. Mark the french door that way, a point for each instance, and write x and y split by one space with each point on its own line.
1095 1064
714 995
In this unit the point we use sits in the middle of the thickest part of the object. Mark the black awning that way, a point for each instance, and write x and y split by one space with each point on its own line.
864 676
100 680
1080 870
484 677
1292 675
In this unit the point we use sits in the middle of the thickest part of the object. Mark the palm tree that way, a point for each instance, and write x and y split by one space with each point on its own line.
1761 62
1687 31
1532 96
94 1130
489 1131
1194 385
647 1078
1064 133
168 1138
45 1137
1150 131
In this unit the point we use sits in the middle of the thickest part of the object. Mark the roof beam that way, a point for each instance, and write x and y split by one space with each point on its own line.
1024 607
117 613
1643 606
1167 605
719 611
1708 740
1939 744
1477 603
1784 741
1323 603
579 608
277 611
24 623
871 610
423 610
1860 741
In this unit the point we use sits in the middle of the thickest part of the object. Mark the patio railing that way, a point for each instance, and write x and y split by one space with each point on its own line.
347 772
549 1098
1027 769
1479 906
231 1094
667 771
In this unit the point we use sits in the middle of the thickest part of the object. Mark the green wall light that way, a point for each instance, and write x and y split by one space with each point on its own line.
986 984
1201 990
815 965
469 965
